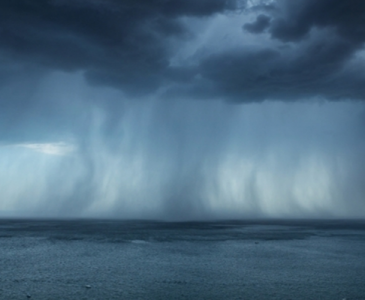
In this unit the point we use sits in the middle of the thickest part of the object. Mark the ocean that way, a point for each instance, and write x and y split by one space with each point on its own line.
111 259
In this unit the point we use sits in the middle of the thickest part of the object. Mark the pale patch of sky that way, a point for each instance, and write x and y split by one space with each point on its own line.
59 148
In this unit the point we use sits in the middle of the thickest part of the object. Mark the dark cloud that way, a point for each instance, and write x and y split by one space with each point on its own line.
261 23
295 20
318 69
310 48
121 43
320 40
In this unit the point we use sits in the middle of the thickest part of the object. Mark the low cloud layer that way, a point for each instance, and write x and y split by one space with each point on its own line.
125 44
308 48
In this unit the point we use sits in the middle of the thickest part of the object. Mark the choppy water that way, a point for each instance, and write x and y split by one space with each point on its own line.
156 260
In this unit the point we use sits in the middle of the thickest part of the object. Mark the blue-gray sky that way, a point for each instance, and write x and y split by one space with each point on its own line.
182 109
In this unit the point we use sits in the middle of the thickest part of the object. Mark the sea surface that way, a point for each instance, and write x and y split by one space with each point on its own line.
96 259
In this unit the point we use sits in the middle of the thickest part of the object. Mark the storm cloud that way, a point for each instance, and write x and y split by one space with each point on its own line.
182 109
115 43
310 48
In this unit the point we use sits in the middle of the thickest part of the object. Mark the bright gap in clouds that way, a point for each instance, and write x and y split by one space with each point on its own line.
60 148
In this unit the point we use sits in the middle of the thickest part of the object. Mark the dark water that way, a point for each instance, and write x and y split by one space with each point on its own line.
156 260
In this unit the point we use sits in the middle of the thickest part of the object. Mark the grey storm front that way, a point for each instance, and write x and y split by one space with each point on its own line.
182 109
182 149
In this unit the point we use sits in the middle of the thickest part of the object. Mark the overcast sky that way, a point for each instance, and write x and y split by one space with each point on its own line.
182 109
